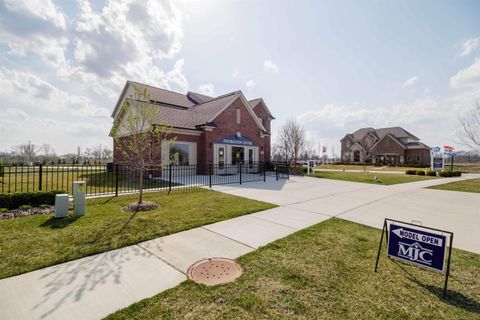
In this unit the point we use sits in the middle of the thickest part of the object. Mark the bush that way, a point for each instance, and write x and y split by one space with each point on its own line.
3 210
420 172
445 174
15 200
457 173
410 172
297 170
431 173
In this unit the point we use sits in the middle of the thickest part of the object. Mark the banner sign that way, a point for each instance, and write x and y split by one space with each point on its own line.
437 163
448 149
236 139
417 246
422 246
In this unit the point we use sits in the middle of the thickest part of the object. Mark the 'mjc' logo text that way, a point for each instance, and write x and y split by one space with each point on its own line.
415 252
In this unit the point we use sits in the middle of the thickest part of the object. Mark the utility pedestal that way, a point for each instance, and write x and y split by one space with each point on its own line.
79 198
61 205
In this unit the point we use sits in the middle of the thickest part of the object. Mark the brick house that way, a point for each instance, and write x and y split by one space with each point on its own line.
227 129
392 146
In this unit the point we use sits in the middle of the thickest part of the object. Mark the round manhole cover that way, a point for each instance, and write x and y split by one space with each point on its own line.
214 271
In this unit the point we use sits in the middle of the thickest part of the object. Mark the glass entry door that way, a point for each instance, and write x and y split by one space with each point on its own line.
238 155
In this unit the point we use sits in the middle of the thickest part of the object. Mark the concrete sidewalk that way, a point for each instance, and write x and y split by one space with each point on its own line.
93 287
370 204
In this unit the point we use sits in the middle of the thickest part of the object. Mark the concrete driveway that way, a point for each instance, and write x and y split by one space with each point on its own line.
458 212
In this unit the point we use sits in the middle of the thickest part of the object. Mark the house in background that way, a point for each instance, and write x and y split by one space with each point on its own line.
390 146
227 129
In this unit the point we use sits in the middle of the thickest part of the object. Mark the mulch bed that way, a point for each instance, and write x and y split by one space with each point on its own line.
15 213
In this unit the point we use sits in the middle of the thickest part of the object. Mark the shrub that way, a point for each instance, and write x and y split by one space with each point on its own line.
410 171
297 170
25 207
15 200
431 173
445 174
3 210
457 173
420 172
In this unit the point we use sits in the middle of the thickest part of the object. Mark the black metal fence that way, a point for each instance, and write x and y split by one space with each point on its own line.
117 179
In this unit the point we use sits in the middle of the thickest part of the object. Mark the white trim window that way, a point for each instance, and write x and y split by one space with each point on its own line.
179 153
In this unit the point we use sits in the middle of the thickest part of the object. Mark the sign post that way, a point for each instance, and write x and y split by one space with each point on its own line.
421 246
448 151
436 159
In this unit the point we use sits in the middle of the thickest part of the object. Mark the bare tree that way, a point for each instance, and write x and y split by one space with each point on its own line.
107 154
26 151
292 139
367 143
469 130
47 152
139 134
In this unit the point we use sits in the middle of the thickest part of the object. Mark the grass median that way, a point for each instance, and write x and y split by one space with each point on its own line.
33 242
471 185
324 272
366 177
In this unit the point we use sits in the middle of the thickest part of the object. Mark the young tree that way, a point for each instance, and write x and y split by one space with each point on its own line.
292 139
367 143
469 130
139 133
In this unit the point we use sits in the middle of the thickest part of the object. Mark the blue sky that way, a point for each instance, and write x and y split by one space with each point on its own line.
335 66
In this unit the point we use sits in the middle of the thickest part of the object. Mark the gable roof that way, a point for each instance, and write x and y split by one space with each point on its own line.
398 132
188 111
259 101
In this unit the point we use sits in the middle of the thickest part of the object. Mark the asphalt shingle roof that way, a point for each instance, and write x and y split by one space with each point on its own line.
187 111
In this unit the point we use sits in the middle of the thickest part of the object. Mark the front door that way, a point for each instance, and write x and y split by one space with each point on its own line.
238 155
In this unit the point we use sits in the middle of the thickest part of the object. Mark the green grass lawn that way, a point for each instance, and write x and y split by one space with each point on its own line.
366 177
471 185
29 243
360 167
324 272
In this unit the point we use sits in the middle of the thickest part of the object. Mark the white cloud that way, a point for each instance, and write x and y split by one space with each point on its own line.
37 110
250 84
269 66
34 26
206 89
44 9
467 77
410 82
469 46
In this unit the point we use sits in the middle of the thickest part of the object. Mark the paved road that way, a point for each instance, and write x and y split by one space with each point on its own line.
368 204
93 287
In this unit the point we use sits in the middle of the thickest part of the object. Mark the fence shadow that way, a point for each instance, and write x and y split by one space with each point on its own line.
59 223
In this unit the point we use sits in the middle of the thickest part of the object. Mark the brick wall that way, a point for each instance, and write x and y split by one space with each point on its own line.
421 156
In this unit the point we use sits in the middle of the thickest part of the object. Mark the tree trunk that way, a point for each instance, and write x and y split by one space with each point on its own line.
140 186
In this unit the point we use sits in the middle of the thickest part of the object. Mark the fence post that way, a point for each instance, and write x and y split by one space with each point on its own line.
169 177
264 171
276 170
240 165
40 175
210 169
288 170
116 179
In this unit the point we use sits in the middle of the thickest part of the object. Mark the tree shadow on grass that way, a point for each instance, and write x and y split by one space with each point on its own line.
58 223
453 298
